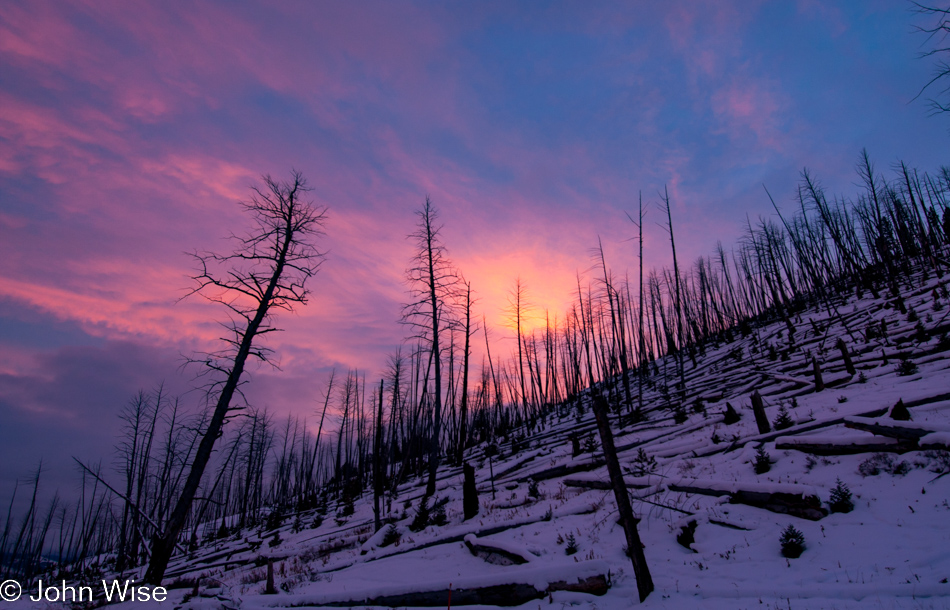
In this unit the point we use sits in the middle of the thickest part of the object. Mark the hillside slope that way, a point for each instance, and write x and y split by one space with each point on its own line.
711 524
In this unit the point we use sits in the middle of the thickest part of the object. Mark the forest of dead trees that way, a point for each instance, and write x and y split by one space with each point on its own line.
369 433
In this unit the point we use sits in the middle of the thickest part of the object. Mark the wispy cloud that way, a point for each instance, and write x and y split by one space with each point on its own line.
129 130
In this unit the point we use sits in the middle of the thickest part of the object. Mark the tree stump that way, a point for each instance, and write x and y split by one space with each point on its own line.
469 492
271 589
819 383
730 416
848 365
758 409
899 412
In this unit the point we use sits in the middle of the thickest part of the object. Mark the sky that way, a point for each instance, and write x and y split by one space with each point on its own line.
130 130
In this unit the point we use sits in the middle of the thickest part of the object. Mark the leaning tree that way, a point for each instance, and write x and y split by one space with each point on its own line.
266 272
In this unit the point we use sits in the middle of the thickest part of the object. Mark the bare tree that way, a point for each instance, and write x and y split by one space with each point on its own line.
937 32
432 284
517 308
678 299
463 414
267 271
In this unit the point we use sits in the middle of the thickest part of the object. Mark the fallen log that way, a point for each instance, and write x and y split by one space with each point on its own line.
796 503
585 577
847 448
937 440
703 491
496 554
890 429
585 484
517 466
796 380
563 470
496 595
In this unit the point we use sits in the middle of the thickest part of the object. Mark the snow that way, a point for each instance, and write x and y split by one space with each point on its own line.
891 551
514 549
936 439
839 438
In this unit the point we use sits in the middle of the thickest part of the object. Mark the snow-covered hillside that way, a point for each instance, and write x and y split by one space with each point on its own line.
711 516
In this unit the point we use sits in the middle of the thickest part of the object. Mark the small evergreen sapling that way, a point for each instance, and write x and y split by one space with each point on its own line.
644 464
906 367
421 520
391 536
590 445
438 516
841 498
571 547
792 541
783 420
763 461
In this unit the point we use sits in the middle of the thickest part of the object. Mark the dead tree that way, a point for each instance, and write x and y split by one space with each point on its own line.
463 413
516 311
641 358
267 271
758 409
627 520
678 300
432 283
378 468
937 30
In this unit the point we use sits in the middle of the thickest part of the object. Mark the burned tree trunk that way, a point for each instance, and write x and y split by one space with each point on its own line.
283 259
819 383
469 492
627 520
848 365
758 409
378 469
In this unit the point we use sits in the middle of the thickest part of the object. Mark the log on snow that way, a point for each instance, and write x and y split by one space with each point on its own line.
514 594
563 470
796 505
900 432
584 484
847 448
492 553
800 505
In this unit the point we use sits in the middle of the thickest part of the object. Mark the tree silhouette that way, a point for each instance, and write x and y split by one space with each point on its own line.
267 271
432 284
938 32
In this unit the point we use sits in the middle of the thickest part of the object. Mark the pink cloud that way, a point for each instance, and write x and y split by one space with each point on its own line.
706 35
747 105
